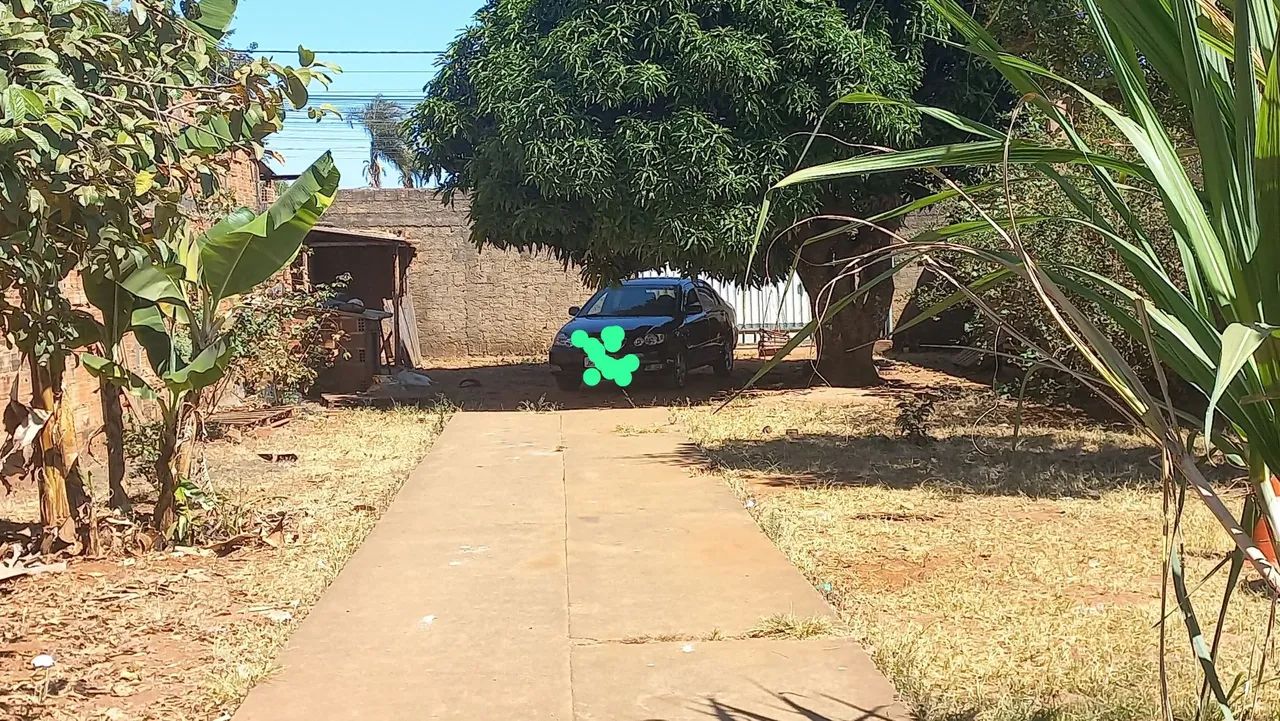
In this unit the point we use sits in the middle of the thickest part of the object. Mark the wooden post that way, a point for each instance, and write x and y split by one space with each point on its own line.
396 291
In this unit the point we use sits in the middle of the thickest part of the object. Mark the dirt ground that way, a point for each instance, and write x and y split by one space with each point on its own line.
526 383
993 577
184 634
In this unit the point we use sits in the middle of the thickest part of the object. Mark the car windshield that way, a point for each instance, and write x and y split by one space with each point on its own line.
630 301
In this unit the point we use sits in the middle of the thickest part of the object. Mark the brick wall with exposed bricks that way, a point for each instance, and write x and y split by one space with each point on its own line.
244 182
468 302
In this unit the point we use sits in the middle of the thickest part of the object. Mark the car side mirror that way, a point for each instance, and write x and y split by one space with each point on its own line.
574 311
693 308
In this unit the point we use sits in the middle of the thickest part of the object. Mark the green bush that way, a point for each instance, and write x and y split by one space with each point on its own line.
1052 242
282 339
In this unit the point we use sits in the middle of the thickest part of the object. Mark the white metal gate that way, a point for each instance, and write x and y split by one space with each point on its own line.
778 306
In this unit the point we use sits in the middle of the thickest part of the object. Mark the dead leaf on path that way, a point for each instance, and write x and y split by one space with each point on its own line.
276 614
275 538
365 507
67 531
279 457
122 690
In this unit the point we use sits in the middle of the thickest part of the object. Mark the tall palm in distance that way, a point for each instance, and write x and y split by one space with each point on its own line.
380 118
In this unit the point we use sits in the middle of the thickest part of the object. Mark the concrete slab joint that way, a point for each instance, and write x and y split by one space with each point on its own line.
537 567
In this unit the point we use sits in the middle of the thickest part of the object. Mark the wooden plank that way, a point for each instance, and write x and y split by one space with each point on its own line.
238 417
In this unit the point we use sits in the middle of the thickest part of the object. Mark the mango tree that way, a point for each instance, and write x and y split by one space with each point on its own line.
181 305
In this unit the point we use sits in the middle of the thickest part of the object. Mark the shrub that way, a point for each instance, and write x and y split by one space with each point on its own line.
282 339
1056 242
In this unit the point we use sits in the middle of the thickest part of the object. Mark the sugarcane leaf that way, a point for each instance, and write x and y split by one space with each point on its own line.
1239 342
1198 644
979 153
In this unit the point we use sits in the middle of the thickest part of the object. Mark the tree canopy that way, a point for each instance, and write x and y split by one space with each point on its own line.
109 120
635 134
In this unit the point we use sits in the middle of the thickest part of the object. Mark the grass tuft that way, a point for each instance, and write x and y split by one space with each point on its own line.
786 625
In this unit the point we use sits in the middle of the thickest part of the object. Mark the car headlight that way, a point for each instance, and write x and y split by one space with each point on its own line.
651 339
562 339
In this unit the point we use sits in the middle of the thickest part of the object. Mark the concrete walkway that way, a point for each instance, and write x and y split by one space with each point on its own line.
541 566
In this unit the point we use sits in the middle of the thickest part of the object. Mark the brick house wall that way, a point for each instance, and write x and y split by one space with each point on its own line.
468 302
244 181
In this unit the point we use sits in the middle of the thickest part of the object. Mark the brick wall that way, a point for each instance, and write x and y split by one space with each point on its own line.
468 302
80 389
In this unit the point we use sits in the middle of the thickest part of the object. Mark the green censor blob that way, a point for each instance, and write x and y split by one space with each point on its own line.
619 370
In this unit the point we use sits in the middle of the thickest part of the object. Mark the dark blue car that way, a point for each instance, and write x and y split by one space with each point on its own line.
673 324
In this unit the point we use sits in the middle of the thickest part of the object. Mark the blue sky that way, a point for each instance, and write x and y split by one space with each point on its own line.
345 25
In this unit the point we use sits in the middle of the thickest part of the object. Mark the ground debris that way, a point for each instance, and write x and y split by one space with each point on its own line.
279 457
15 565
139 634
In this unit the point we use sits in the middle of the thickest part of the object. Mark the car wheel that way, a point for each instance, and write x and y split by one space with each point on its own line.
568 381
680 372
724 364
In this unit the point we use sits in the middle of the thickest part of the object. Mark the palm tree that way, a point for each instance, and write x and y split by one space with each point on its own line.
381 119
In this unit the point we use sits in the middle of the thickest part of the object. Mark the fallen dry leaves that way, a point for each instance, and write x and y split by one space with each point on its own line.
183 634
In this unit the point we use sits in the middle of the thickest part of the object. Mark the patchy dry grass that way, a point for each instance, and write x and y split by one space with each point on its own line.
187 635
628 430
989 582
789 625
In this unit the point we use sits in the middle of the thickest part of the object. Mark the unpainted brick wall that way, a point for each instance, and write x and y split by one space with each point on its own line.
468 302
80 390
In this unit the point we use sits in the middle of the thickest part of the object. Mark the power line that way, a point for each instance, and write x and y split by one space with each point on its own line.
348 52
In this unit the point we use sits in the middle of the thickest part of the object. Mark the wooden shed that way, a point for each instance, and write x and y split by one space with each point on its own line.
375 266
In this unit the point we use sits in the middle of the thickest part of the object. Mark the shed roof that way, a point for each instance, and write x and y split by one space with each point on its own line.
333 235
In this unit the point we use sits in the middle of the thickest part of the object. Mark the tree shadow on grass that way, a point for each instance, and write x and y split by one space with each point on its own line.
794 707
511 385
825 707
1042 465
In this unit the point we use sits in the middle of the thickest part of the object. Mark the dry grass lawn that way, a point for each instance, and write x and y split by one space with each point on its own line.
185 635
989 582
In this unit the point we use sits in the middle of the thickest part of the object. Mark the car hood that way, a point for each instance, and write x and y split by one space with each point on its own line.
637 325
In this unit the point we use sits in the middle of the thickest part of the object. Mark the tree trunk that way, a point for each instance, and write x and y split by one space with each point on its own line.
66 507
166 472
55 507
177 450
846 338
113 430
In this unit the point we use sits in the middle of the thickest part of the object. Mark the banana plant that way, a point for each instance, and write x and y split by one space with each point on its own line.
180 306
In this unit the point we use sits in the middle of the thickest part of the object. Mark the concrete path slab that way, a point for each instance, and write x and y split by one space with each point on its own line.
455 607
657 550
751 680
522 552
